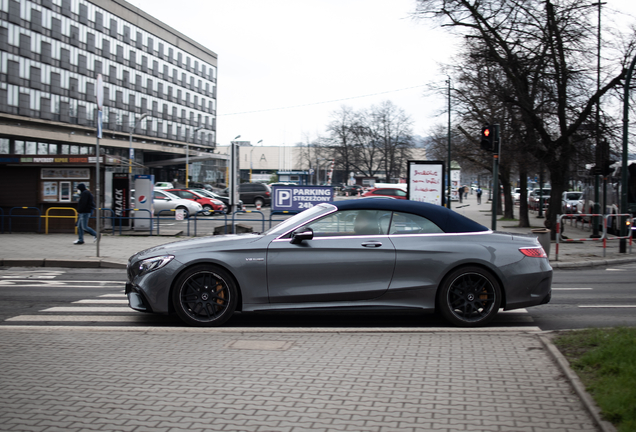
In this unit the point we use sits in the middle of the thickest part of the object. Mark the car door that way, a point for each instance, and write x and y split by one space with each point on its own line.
342 262
161 202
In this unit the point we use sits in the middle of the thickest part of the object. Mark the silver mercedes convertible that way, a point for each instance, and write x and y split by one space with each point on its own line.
365 254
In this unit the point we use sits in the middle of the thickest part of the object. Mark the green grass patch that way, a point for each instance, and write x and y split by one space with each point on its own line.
605 361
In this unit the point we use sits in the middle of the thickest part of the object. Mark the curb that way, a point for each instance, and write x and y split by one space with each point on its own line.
576 383
46 262
592 263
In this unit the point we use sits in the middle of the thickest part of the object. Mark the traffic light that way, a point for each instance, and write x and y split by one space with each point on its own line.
488 138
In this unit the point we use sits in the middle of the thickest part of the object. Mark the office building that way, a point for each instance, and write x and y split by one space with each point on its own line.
159 100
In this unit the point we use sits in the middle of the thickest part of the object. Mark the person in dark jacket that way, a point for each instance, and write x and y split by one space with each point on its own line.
85 207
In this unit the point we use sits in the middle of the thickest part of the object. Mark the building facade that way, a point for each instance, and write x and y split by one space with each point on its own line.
159 100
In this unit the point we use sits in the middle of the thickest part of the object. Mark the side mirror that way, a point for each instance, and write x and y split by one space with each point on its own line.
297 237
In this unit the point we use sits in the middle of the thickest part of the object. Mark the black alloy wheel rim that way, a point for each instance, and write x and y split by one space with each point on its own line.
471 297
205 296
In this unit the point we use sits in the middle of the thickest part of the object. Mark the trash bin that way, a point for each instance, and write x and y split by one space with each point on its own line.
543 235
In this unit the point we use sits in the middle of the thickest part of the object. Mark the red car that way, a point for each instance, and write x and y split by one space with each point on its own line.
390 192
210 205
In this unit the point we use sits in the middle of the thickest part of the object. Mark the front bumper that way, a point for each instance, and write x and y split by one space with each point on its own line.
136 300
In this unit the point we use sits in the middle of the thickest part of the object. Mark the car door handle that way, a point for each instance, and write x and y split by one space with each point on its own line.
374 244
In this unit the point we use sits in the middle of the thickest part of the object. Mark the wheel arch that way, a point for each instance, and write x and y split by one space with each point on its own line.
239 303
483 266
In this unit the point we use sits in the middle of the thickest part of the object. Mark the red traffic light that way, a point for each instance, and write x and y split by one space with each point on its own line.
487 138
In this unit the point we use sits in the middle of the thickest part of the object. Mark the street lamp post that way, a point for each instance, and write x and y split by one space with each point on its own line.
251 151
187 182
130 149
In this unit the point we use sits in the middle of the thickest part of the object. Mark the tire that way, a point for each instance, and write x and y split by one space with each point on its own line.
207 210
469 297
259 202
205 296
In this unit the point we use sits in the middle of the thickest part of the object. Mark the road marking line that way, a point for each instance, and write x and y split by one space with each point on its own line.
514 311
70 318
113 295
85 309
608 306
57 281
570 289
11 284
97 301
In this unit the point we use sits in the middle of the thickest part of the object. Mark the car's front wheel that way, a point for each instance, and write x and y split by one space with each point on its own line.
205 296
207 210
258 202
469 297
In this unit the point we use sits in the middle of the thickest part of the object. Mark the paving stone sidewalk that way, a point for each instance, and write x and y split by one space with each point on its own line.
205 381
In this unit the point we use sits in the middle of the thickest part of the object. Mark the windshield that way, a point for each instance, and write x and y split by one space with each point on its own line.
573 196
304 216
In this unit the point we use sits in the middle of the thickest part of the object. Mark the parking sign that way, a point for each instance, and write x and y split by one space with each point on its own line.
299 198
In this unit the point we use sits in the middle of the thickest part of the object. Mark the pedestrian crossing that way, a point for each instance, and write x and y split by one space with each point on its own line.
111 308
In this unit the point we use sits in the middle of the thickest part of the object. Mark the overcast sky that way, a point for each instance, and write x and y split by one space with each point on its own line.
284 66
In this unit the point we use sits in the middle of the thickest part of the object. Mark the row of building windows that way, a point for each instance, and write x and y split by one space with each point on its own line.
28 73
126 63
174 126
61 26
18 147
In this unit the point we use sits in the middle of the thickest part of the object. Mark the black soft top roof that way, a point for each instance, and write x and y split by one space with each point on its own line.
446 219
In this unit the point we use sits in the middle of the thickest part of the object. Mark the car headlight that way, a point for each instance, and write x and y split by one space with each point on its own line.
152 264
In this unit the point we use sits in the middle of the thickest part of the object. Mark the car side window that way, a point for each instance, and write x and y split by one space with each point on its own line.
406 223
350 223
159 196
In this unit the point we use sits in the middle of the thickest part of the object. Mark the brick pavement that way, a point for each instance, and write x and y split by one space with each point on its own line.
323 381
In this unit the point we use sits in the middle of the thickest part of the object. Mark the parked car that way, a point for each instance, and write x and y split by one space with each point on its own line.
358 255
163 200
351 190
224 199
210 205
534 198
164 185
516 195
166 201
390 192
569 202
254 193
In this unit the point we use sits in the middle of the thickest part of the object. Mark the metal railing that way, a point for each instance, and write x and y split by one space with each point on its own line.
47 216
602 238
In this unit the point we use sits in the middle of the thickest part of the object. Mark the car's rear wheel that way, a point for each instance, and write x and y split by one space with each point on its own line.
469 297
205 296
207 210
258 202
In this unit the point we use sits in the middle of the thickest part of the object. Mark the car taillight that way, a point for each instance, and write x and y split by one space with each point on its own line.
533 252
267 193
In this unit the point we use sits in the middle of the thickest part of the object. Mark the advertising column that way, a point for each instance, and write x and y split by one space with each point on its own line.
144 195
426 181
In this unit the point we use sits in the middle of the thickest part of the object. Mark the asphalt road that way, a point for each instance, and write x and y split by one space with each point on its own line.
595 297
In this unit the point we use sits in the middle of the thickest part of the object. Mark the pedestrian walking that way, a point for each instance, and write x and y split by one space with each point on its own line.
460 192
478 195
85 207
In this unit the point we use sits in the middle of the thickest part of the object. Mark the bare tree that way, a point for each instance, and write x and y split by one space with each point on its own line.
371 141
545 50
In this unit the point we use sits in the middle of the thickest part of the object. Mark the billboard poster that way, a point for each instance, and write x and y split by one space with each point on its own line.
299 198
121 197
426 181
